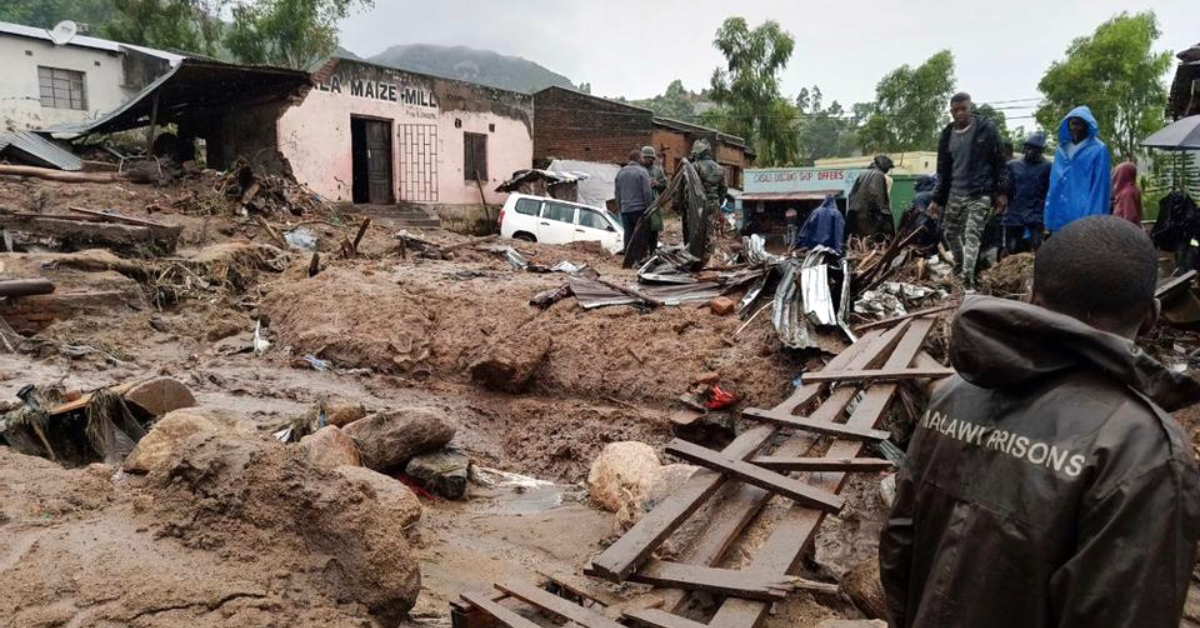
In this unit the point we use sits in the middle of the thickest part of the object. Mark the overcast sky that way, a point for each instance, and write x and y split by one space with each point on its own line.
634 49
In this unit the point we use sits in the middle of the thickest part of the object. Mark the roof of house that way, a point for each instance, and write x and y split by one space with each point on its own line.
687 127
83 41
194 89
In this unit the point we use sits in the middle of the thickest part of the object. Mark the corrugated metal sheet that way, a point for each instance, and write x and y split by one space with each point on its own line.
36 150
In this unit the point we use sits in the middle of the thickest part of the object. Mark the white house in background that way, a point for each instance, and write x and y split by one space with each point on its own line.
51 77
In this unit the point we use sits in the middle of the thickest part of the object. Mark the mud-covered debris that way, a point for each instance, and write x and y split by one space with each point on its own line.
387 440
863 586
443 473
330 448
509 363
160 396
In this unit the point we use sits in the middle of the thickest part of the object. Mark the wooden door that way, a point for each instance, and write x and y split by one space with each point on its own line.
379 161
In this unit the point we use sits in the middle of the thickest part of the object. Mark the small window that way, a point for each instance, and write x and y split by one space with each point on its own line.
61 89
559 211
528 206
589 218
475 157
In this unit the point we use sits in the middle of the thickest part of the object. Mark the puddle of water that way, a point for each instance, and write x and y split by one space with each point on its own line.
501 493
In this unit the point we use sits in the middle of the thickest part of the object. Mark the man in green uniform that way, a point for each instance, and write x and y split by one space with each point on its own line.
712 176
658 185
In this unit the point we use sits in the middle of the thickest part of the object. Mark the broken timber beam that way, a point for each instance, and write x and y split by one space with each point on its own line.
743 503
795 532
556 606
502 614
622 557
827 428
785 464
745 584
51 174
1174 284
658 618
25 287
791 488
882 375
115 217
892 321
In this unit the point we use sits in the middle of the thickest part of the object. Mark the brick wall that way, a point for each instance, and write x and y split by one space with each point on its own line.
570 125
671 146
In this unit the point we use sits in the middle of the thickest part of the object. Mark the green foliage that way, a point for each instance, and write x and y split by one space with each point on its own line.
822 131
47 13
187 25
676 102
1117 74
289 33
747 92
911 105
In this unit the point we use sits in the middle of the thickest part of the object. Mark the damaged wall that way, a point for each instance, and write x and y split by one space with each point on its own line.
428 119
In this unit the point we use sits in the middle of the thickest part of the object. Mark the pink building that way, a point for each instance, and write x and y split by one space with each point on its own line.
371 134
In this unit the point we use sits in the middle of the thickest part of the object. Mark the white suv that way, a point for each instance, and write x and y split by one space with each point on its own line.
551 221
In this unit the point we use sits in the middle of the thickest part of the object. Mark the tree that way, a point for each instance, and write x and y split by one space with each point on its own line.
1116 73
675 103
822 131
289 33
746 90
186 25
911 105
47 13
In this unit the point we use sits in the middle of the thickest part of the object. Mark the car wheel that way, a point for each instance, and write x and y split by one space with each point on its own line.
524 237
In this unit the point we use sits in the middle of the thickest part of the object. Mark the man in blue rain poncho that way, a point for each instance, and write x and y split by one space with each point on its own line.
825 227
1080 184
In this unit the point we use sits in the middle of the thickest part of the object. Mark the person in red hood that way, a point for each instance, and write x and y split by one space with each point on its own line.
1127 198
1046 486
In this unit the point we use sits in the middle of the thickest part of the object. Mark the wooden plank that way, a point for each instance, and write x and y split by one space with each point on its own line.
114 217
793 489
624 555
583 589
658 618
1165 288
881 375
737 511
795 533
826 428
463 614
898 319
629 551
787 464
556 605
752 586
500 613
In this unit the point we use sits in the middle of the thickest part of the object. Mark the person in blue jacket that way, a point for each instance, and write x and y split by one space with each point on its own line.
1080 183
825 227
1029 180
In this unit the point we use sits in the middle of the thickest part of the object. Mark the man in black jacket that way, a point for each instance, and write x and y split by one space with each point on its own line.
1046 486
972 173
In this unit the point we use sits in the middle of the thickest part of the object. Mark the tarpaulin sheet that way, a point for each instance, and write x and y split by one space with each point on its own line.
597 188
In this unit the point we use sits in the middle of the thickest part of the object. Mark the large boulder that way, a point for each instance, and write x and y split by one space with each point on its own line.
160 396
387 440
163 442
262 499
509 364
397 500
330 448
628 479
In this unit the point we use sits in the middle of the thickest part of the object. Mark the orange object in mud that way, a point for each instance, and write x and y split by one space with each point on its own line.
719 399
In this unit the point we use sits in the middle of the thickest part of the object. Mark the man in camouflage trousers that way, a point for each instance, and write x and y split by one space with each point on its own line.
713 178
972 173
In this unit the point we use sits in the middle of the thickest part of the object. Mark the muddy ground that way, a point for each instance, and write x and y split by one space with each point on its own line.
398 331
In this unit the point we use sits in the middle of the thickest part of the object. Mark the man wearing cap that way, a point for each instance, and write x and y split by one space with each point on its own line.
1029 182
658 185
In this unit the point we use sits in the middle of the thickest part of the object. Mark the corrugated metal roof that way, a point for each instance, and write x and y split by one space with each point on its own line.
32 32
37 150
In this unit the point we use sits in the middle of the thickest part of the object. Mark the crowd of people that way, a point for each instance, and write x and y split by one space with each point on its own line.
982 197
